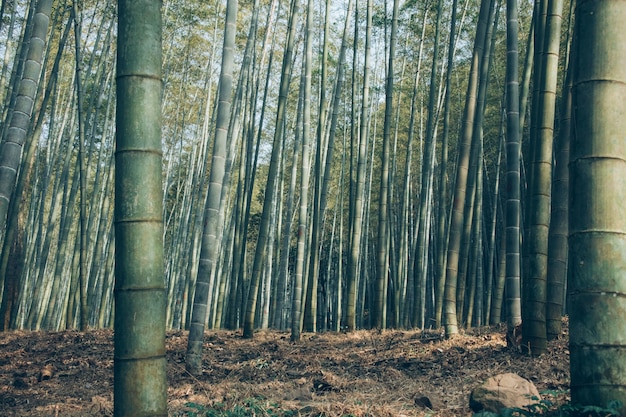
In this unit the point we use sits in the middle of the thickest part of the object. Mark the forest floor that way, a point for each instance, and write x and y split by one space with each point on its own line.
365 373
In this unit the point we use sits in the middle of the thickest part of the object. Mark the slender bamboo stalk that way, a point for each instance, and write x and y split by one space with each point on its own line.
513 206
457 213
13 142
261 246
209 252
356 240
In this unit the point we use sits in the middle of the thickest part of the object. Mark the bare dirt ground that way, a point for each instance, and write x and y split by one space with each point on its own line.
365 373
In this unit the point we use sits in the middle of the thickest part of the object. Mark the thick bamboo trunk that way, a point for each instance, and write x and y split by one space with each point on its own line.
140 380
597 234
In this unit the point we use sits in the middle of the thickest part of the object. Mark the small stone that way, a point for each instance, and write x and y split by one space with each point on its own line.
20 383
423 401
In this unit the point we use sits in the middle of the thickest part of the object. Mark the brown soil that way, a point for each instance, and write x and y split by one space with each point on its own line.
365 373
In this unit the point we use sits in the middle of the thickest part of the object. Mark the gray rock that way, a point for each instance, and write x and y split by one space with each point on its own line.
503 391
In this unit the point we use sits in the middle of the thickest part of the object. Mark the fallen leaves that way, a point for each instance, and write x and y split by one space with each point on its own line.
389 373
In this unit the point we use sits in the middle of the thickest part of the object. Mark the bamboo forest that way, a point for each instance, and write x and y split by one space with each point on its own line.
314 167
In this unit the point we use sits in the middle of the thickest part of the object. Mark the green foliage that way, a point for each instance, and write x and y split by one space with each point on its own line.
257 406
486 414
548 408
612 409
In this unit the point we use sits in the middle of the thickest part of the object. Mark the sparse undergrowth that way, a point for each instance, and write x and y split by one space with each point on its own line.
365 373
553 404
547 408
259 406
251 407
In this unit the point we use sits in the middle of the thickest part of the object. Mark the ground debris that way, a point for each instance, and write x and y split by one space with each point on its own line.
363 373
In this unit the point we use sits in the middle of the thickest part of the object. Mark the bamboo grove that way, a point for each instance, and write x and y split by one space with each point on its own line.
327 165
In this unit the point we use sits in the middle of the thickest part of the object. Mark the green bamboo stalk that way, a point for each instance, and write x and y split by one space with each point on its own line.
513 148
140 380
13 142
597 234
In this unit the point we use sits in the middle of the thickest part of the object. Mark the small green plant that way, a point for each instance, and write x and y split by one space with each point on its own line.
252 407
537 408
546 408
261 364
611 410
